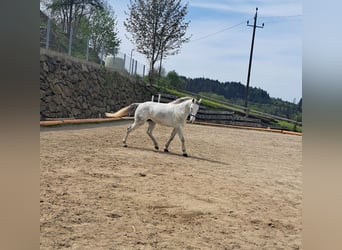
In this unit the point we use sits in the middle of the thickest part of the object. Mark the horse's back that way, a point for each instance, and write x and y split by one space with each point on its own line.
158 112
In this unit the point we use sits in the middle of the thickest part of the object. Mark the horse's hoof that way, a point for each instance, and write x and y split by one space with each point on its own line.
185 154
157 148
166 150
125 145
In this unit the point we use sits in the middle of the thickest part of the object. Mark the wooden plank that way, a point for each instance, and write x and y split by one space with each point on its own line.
76 121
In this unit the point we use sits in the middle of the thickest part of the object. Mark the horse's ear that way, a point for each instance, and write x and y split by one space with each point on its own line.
193 100
199 100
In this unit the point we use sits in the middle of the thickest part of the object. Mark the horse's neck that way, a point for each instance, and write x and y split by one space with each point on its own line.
184 107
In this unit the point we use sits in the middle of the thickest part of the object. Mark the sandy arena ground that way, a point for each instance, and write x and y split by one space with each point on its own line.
238 189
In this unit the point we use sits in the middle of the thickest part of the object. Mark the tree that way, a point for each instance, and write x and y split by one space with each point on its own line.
299 105
70 12
175 80
92 19
103 33
157 28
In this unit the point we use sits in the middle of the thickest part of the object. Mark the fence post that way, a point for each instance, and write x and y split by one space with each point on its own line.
70 41
130 66
101 56
48 33
144 71
136 65
124 62
87 49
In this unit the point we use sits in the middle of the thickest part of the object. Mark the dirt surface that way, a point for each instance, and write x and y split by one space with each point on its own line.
238 189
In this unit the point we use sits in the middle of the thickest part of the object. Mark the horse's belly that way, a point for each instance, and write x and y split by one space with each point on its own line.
162 120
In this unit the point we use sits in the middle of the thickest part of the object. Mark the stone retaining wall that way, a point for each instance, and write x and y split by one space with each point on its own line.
72 88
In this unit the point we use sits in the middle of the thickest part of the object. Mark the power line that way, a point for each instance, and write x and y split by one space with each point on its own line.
238 24
217 32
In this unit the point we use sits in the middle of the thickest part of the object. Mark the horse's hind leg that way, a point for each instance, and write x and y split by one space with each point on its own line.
135 125
151 125
173 133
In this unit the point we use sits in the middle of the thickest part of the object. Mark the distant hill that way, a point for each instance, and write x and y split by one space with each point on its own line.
234 92
230 90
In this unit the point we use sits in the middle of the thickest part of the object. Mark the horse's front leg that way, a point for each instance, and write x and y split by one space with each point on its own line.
173 133
181 137
151 126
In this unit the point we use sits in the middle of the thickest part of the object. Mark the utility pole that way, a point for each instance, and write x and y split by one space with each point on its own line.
250 57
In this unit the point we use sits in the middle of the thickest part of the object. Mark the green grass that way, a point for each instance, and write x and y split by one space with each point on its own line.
289 126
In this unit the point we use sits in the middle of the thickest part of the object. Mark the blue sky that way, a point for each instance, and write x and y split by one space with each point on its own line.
221 41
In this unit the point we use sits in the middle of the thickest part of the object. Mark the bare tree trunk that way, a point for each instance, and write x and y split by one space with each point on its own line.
151 73
161 60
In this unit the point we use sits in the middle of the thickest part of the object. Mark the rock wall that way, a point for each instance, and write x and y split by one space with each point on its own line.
72 88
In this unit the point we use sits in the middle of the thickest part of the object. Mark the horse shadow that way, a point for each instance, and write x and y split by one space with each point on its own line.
178 155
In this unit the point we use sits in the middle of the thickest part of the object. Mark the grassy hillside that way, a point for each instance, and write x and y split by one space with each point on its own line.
210 103
231 95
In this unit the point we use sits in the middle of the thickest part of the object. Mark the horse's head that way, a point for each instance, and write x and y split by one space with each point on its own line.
194 106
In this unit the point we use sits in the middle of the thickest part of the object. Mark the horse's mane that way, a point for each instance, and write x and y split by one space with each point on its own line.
180 100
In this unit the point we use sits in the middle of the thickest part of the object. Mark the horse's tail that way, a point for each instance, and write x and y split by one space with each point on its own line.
124 111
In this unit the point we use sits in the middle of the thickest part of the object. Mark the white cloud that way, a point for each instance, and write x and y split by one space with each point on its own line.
266 8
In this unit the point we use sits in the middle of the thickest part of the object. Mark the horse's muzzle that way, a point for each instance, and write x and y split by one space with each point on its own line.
192 118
